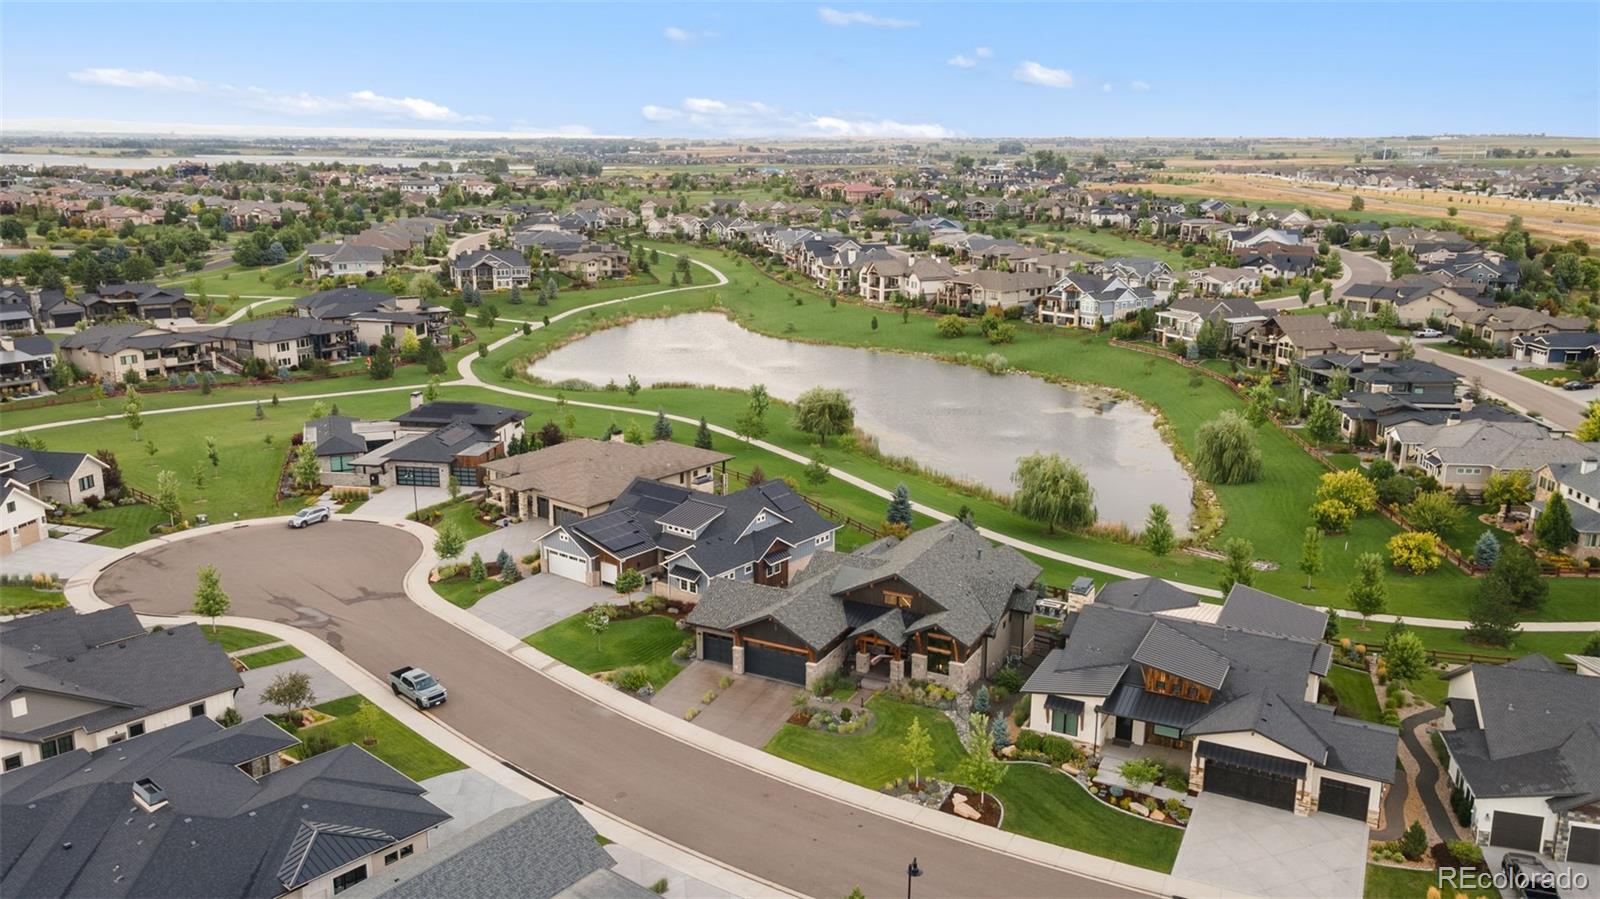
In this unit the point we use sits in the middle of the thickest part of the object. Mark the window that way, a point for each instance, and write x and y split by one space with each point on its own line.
11 507
136 729
340 463
54 746
774 568
349 879
391 858
824 539
407 850
1064 722
86 482
198 710
749 567
12 762
19 706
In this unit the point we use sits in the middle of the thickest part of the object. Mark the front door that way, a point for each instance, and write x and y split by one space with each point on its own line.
1124 731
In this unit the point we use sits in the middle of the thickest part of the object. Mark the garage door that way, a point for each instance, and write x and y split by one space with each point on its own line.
1337 797
716 649
608 573
774 663
1515 831
1255 786
570 567
411 476
1584 845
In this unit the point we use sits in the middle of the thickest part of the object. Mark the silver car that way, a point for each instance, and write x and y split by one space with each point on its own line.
310 515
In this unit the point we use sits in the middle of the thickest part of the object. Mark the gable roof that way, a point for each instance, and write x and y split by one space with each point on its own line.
42 465
442 412
1540 732
586 472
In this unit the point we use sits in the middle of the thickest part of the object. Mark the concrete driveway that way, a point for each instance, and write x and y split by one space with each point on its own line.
533 604
1246 848
324 684
750 710
62 558
397 502
516 539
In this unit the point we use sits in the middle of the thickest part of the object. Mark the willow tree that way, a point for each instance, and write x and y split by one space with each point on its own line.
1053 490
1227 452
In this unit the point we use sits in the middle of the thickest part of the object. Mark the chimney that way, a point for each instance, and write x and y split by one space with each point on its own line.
148 794
1588 465
416 398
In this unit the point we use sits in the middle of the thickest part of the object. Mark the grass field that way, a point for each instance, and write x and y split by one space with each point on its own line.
14 599
463 514
647 641
396 744
233 639
274 656
461 591
1356 693
128 524
1386 882
871 758
1047 805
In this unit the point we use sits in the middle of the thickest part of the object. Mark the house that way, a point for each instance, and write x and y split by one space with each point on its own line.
22 515
1182 319
1498 326
145 302
1233 689
57 310
25 363
16 311
1464 453
54 477
1420 382
1221 281
1524 748
1556 348
1367 417
1084 300
197 809
425 447
763 534
1283 340
1578 483
87 681
110 352
286 341
579 477
345 260
1279 260
491 269
374 315
591 266
987 289
1418 298
537 850
941 605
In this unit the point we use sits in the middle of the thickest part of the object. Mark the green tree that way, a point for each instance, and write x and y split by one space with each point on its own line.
133 411
1263 398
816 472
632 387
381 366
702 434
1311 554
980 770
1237 568
597 620
1322 421
1519 571
1404 657
430 393
629 582
1588 430
290 691
305 471
1508 488
211 452
752 422
1158 536
1226 450
367 721
1054 491
476 570
167 498
899 507
1368 592
663 427
1554 525
1492 617
823 411
1434 511
449 542
209 599
1486 550
917 749
633 434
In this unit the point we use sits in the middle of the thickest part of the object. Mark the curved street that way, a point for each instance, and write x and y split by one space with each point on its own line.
344 582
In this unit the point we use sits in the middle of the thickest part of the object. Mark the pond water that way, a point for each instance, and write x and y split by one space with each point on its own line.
954 419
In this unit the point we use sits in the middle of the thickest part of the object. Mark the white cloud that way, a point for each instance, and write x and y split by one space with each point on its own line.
843 19
1105 88
745 118
683 37
405 107
983 53
1139 86
49 126
1035 73
143 79
961 62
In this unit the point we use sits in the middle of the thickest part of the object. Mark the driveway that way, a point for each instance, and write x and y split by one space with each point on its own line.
324 685
62 558
1251 849
346 586
533 604
750 710
516 539
398 502
468 797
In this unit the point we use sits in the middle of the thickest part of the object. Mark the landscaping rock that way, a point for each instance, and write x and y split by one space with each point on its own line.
1070 768
1009 752
1138 809
959 805
1158 815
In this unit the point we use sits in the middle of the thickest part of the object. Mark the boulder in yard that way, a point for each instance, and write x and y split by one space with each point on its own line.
1139 810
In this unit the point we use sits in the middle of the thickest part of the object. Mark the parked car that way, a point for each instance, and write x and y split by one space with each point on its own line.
418 686
1577 384
1427 332
1528 876
310 515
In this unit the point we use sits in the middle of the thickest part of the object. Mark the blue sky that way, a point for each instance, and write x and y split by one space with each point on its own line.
804 70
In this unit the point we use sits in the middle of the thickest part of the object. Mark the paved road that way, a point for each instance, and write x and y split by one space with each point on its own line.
1363 269
345 586
1557 406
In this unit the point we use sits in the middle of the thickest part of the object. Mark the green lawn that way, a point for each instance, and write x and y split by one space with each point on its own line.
233 639
1045 804
1546 375
1357 695
396 744
1386 882
647 641
871 758
127 524
461 591
14 599
464 513
273 656
1109 243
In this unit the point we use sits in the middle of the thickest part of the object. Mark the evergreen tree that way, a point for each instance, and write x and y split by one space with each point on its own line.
1554 527
702 434
1158 536
1486 550
1492 616
1236 567
663 427
900 507
1519 572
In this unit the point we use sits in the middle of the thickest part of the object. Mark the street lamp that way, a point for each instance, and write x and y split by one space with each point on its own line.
912 872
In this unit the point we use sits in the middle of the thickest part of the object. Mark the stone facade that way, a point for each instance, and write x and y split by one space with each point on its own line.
1589 815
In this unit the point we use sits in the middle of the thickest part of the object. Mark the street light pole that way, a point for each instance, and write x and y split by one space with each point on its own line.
912 872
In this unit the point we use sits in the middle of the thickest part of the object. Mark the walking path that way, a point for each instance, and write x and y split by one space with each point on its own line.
1428 776
469 377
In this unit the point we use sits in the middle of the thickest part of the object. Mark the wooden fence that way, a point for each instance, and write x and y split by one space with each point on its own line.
822 509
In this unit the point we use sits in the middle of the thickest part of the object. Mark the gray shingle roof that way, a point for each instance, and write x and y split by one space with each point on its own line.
1540 735
1164 648
35 465
1145 594
1253 610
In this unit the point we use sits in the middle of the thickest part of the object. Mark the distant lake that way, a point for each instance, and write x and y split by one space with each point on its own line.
145 163
951 418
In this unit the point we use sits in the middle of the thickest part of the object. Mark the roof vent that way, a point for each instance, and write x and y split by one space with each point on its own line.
148 794
67 845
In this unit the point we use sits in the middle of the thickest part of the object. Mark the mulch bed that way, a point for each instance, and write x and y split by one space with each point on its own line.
800 718
990 809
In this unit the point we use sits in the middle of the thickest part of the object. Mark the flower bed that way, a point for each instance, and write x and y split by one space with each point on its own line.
987 808
1134 803
931 793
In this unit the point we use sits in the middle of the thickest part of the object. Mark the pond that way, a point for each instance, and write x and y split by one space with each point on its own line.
957 420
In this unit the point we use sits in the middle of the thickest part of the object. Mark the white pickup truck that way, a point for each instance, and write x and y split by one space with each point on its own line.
418 686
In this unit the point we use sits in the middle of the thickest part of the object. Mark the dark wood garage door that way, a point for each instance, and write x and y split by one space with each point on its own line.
1255 786
716 649
1515 831
1337 797
1584 846
774 663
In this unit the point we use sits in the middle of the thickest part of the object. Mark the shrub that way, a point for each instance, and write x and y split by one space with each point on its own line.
1139 772
1008 679
708 697
315 742
725 682
1332 516
1175 777
1044 747
690 714
845 714
1415 551
631 679
1413 842
952 326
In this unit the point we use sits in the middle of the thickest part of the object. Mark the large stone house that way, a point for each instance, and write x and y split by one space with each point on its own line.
579 477
1232 689
110 352
491 269
425 447
942 605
